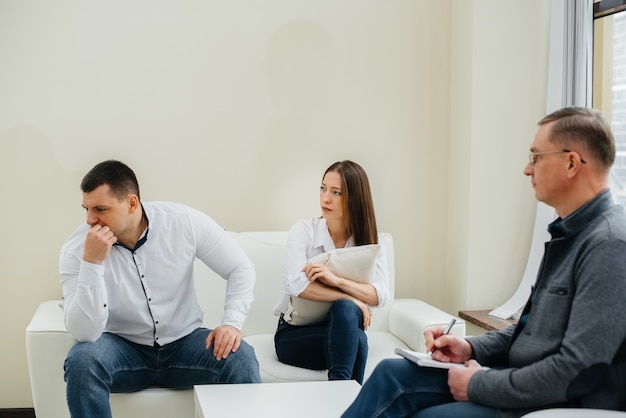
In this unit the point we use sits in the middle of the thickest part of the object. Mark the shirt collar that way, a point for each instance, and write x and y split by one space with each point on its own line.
581 217
322 238
144 236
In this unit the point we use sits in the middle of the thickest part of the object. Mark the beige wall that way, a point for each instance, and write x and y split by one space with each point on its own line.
498 84
237 107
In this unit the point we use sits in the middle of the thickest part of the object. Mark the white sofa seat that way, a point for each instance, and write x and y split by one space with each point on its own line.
400 324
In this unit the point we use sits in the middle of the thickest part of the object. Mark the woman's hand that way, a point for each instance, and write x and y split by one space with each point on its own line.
367 314
321 273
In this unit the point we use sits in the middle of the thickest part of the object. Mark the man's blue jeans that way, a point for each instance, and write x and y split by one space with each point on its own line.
399 388
114 364
339 344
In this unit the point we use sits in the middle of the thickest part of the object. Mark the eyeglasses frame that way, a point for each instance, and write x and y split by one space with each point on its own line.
532 156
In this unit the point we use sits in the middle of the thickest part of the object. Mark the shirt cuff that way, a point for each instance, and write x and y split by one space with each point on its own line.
91 274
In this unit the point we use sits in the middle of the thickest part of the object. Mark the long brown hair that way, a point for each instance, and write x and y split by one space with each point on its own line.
357 203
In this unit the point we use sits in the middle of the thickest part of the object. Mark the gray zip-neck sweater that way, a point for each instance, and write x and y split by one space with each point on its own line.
570 349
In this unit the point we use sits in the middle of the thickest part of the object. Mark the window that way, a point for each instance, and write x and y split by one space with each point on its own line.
609 81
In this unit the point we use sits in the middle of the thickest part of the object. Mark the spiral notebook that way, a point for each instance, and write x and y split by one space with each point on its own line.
424 360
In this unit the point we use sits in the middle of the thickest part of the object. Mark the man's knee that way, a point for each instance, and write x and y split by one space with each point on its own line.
81 359
243 366
92 357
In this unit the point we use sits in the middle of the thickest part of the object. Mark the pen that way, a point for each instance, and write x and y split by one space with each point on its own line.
446 331
449 327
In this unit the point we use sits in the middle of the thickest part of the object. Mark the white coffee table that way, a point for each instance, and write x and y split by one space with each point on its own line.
276 400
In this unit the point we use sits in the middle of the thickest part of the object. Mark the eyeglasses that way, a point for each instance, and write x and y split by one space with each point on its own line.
533 156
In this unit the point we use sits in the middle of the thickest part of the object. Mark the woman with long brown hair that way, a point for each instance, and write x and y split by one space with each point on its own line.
338 341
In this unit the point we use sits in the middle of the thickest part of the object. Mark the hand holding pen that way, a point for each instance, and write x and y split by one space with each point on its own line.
446 331
444 346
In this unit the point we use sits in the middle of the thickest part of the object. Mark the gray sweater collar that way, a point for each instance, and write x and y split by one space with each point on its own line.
582 216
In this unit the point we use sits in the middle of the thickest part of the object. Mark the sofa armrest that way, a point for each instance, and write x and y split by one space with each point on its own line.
47 345
408 318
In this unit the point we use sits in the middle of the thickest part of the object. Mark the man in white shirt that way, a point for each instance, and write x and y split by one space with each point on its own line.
129 296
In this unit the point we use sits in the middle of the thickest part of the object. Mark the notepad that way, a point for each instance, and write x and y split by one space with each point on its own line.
425 360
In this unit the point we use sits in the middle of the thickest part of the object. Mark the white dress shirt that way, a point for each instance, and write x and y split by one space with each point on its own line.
148 295
309 238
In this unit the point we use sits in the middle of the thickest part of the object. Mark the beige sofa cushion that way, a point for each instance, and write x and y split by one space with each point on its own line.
353 263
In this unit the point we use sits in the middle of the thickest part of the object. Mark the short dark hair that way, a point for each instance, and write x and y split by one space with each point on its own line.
586 127
358 205
117 175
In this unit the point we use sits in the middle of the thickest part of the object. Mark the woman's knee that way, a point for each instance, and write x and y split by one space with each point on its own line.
345 308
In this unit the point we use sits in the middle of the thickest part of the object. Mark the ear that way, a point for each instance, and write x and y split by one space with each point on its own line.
574 164
133 203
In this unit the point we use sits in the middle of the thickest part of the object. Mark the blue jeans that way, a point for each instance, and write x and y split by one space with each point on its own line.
399 388
339 344
114 364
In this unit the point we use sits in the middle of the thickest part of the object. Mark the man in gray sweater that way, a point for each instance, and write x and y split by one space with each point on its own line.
568 349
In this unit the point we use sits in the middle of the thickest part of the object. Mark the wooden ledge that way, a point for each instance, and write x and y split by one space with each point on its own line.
482 319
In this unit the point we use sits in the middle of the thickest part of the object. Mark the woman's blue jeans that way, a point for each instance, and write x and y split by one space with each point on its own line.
339 344
114 364
399 388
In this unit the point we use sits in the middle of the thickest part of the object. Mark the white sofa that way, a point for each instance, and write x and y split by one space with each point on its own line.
400 324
